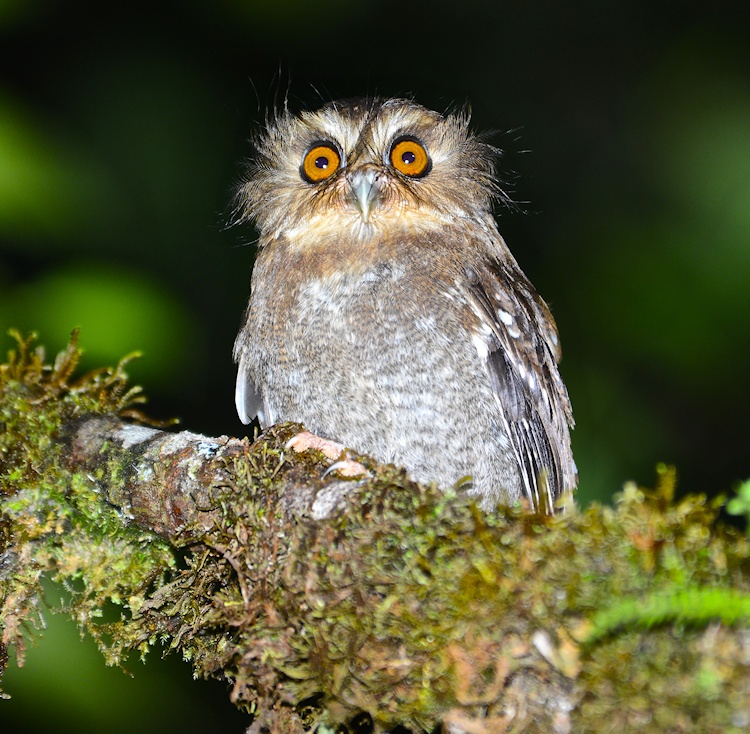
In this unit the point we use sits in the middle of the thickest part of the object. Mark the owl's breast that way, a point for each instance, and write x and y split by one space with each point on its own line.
380 359
361 316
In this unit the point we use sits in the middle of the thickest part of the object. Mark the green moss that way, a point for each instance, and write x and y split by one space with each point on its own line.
54 521
412 604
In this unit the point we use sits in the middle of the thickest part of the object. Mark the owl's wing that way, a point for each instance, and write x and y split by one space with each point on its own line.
247 397
521 351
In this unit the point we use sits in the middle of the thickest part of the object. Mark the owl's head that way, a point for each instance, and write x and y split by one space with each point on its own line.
366 165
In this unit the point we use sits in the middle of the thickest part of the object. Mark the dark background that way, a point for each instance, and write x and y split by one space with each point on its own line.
626 127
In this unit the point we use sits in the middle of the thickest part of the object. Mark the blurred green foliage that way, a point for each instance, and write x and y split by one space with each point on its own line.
122 128
740 504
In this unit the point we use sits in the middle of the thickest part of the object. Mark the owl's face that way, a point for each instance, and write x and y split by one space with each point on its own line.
364 167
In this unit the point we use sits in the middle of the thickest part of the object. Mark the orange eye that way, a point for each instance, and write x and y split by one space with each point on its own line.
321 161
409 156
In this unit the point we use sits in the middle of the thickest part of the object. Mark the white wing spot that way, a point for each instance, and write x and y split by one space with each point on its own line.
481 346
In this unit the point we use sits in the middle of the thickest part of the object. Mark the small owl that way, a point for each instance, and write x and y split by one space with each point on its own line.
386 311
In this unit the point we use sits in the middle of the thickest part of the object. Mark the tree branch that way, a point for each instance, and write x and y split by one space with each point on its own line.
324 599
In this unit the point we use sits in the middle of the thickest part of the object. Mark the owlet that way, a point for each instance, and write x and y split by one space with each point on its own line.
386 311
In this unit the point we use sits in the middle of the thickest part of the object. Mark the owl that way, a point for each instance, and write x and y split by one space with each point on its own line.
386 311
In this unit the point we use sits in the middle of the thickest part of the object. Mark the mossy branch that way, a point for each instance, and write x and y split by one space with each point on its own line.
323 599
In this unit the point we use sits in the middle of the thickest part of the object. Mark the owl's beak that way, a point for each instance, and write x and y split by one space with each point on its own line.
365 191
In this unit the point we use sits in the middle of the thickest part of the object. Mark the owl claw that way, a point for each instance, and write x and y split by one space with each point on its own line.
305 441
347 468
343 465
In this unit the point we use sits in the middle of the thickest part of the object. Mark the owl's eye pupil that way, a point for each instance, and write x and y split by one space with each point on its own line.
322 162
409 158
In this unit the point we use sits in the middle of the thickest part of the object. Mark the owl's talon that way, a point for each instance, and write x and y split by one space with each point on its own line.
343 465
304 441
347 468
